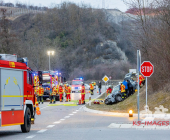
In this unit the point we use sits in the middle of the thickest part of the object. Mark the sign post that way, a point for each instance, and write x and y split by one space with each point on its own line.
138 70
147 70
105 79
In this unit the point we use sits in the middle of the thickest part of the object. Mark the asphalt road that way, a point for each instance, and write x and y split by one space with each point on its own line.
73 123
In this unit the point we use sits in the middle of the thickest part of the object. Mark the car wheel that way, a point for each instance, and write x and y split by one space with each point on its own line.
118 98
27 121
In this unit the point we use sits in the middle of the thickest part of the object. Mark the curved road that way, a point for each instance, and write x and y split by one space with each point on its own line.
73 123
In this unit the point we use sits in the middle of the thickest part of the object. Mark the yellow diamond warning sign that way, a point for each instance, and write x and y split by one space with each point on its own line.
105 79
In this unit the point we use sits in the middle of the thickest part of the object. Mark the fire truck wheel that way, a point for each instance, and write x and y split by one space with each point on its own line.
27 121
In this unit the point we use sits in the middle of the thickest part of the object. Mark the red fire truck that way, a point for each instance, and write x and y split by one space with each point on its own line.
17 98
48 79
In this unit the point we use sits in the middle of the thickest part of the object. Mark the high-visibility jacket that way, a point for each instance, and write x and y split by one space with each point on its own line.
142 78
91 87
83 90
57 89
60 90
68 90
40 91
65 89
122 88
54 91
109 90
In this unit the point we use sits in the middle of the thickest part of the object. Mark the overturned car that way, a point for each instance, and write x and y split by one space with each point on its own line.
116 95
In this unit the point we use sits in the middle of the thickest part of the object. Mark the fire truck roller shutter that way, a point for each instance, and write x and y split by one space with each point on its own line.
11 89
12 94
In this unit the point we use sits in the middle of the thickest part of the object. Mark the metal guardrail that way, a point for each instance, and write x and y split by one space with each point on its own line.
14 11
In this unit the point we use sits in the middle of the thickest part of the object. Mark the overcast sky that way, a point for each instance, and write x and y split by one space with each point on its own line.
109 4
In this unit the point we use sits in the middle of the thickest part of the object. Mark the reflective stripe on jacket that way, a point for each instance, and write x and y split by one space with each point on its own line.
68 90
122 87
40 91
60 90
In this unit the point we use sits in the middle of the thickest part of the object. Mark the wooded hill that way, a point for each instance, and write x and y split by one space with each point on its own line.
85 42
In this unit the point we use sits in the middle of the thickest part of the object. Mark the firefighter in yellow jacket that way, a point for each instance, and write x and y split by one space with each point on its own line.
68 92
61 92
123 91
53 94
91 88
40 92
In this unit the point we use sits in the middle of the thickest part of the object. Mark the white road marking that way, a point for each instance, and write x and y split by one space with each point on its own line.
44 107
41 131
30 137
74 112
49 126
67 117
57 122
71 114
62 119
77 110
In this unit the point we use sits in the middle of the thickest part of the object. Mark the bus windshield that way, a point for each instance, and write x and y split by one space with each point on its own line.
76 82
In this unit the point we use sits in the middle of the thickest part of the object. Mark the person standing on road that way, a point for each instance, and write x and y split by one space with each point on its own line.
126 87
53 95
40 94
68 98
61 92
99 86
91 88
83 94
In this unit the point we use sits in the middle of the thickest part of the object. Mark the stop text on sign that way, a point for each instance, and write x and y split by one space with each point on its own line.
147 68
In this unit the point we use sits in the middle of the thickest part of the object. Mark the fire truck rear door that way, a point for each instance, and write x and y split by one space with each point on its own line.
11 93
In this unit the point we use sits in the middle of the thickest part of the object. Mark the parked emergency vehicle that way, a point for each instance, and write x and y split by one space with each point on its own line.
49 78
76 85
17 98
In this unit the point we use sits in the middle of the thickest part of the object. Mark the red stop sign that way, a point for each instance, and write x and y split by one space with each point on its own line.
146 69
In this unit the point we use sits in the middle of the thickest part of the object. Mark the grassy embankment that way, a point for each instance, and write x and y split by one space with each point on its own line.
154 100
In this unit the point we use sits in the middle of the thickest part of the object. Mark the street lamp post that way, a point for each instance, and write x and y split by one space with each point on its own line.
50 53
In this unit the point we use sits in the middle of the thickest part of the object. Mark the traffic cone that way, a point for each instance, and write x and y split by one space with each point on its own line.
38 112
37 109
79 102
